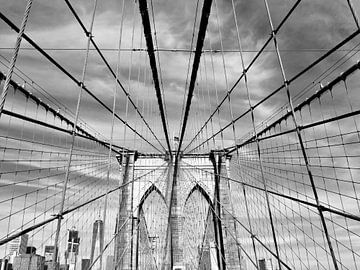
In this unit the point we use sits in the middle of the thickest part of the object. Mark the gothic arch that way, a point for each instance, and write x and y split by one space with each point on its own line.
140 214
147 193
202 191
211 218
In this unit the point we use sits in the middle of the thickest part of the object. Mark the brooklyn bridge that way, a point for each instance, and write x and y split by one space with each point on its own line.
178 135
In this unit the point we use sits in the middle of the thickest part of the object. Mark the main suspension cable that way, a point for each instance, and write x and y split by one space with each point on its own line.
68 74
149 43
115 76
199 45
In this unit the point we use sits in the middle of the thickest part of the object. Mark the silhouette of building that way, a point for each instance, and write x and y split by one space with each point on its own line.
72 248
18 245
98 230
4 263
30 250
262 264
16 248
85 263
29 262
48 253
110 263
64 267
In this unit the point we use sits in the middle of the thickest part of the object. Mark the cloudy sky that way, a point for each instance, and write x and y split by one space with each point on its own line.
312 29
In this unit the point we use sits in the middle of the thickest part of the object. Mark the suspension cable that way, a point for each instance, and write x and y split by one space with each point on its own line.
15 55
316 95
116 77
199 45
302 72
149 43
68 74
70 210
248 67
81 132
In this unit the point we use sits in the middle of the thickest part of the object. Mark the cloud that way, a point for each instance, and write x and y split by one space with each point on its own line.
314 27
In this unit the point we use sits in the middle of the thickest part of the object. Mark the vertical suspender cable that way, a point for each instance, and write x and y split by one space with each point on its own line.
200 42
233 130
204 109
217 100
188 64
158 57
209 101
70 76
112 124
252 116
301 142
66 180
149 43
228 94
112 72
130 72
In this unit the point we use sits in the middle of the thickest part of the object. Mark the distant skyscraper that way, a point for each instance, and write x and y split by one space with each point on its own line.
30 250
97 227
110 263
73 241
85 263
28 262
64 267
18 245
213 255
262 264
73 248
48 253
4 263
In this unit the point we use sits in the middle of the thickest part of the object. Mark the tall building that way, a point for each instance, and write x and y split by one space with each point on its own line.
213 258
262 264
30 250
48 253
98 230
18 245
4 263
64 267
110 263
85 263
72 248
29 262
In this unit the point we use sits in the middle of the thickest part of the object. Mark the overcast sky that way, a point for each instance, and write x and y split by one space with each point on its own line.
315 27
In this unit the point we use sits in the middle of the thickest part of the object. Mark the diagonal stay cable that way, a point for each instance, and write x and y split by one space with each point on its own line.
183 50
68 74
257 238
213 211
199 45
70 210
124 223
189 61
317 94
158 56
81 132
302 72
57 128
87 33
262 49
150 45
275 193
